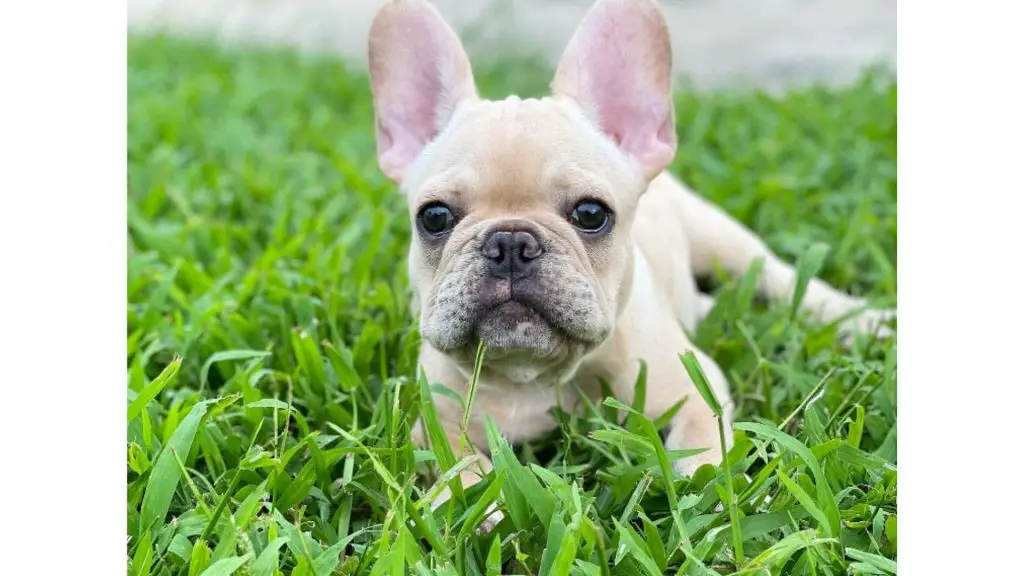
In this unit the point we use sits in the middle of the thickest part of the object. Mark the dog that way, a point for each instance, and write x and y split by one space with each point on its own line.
548 231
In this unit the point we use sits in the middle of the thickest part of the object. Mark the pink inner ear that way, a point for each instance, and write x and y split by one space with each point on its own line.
419 73
408 113
618 68
635 119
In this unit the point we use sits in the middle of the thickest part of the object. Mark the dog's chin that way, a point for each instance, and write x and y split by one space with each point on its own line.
513 327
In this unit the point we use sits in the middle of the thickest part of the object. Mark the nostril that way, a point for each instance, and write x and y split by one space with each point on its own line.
529 247
492 251
496 245
511 253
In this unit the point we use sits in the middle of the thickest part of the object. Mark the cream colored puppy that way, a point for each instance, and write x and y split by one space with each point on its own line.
547 230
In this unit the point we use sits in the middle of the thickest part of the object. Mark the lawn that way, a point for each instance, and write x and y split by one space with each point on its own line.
272 350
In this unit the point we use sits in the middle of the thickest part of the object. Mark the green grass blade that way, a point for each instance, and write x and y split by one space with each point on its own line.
267 562
438 437
478 364
522 489
880 563
824 497
856 432
226 355
142 561
494 558
200 558
166 377
807 502
807 267
556 540
639 396
476 514
780 552
637 549
227 566
164 478
696 373
654 543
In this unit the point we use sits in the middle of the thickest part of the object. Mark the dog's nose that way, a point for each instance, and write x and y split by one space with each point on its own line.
511 254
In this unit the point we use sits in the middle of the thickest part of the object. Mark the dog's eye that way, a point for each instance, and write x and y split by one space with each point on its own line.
436 219
590 216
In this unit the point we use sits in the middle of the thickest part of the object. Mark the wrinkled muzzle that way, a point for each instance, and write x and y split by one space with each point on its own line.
514 288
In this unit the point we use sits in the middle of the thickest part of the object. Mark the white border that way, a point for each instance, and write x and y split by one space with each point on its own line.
960 311
63 286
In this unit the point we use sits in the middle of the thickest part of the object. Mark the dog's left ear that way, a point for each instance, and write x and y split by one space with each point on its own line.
618 68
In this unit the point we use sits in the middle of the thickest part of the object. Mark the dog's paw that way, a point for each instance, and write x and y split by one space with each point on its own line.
705 304
492 517
687 467
491 521
441 498
869 323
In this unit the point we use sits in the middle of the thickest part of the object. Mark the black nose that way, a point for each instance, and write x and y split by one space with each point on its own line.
511 255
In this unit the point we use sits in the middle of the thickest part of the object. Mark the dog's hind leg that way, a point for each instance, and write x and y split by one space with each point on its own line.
705 302
715 237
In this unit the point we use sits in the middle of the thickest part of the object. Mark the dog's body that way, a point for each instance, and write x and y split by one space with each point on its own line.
547 230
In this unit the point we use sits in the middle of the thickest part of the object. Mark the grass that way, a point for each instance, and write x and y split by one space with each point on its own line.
272 351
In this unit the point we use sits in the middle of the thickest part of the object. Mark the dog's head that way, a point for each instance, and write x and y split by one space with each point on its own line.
522 208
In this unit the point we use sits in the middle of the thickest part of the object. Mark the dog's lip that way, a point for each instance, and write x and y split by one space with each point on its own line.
524 305
504 294
513 302
499 294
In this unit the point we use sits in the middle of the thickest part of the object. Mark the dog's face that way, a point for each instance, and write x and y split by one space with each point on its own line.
521 209
521 241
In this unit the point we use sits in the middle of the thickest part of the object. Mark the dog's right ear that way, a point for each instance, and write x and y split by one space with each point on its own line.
419 73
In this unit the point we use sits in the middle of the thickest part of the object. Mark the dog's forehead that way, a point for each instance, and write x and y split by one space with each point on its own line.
520 149
515 109
530 127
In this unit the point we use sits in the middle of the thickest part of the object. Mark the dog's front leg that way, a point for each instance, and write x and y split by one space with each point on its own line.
480 467
694 426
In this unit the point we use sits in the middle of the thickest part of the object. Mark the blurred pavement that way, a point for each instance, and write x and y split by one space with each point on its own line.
769 44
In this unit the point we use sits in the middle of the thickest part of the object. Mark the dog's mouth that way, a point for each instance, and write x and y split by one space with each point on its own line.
515 323
515 301
523 316
515 311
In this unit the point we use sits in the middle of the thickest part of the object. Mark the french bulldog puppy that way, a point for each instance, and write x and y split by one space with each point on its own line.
547 230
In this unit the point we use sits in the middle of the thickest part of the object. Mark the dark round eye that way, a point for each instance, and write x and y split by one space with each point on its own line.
436 219
590 216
